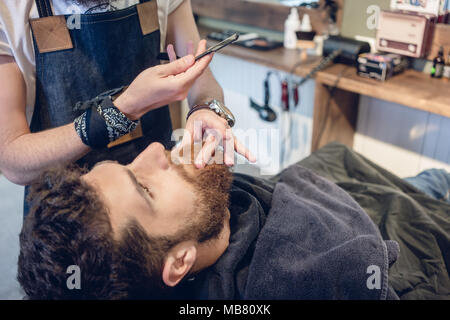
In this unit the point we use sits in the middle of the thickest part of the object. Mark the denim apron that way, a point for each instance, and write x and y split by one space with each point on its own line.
108 51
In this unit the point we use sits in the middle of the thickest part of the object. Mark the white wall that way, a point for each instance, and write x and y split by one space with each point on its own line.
242 80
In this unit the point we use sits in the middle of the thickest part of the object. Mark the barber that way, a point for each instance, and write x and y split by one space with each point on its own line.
97 92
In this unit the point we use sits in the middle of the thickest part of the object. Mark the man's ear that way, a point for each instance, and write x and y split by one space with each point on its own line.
179 261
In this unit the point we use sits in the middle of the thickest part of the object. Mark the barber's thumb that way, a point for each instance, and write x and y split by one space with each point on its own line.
179 66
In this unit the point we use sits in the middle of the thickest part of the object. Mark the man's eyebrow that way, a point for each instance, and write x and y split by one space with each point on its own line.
138 187
103 162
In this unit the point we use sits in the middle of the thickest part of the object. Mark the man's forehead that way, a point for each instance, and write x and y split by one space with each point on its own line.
105 162
102 173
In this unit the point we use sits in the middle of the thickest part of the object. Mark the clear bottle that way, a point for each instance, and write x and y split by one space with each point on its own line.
291 26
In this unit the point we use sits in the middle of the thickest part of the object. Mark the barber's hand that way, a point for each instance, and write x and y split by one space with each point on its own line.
206 126
160 85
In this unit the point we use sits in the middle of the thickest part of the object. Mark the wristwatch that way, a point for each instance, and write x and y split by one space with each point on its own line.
219 108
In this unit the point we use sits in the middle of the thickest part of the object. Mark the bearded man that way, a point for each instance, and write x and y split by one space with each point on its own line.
159 228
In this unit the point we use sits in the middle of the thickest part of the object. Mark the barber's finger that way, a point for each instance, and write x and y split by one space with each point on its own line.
198 68
188 131
171 53
187 139
190 47
198 131
178 66
188 136
183 153
242 150
228 148
195 71
201 47
207 151
193 133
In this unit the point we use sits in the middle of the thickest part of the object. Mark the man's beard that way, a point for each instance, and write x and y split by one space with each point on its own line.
212 187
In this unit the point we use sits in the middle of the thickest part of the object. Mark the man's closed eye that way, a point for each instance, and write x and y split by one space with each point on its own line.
147 190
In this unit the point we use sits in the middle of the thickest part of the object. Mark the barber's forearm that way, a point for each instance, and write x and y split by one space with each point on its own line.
205 89
181 29
26 157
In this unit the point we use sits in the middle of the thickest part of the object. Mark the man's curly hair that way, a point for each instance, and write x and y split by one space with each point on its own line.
69 225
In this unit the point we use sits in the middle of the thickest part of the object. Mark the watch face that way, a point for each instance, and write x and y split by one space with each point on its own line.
220 107
216 107
223 111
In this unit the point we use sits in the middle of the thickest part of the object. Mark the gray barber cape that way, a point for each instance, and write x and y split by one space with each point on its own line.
297 236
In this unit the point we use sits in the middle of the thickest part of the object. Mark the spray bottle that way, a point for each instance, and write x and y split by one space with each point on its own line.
291 26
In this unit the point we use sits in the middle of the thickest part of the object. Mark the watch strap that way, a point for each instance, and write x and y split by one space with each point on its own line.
196 108
218 111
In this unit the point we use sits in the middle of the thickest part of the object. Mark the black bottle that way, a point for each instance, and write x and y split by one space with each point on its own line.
438 64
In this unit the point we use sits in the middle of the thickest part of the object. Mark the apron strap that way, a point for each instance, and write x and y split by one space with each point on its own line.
44 8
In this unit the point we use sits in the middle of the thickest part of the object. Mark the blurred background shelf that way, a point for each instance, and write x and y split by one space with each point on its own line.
412 89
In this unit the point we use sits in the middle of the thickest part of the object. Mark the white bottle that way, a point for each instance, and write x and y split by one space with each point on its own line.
306 23
291 26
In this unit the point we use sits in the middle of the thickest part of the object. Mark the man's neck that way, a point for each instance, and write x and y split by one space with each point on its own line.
209 252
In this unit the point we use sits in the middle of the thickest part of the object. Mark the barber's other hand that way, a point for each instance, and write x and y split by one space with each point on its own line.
160 85
206 126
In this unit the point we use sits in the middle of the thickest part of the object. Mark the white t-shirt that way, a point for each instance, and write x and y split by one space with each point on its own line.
16 38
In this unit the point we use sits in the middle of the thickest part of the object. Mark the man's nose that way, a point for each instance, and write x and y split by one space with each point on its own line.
152 158
158 154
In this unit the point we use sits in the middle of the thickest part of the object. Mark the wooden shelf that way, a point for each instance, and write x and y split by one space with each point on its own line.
412 88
